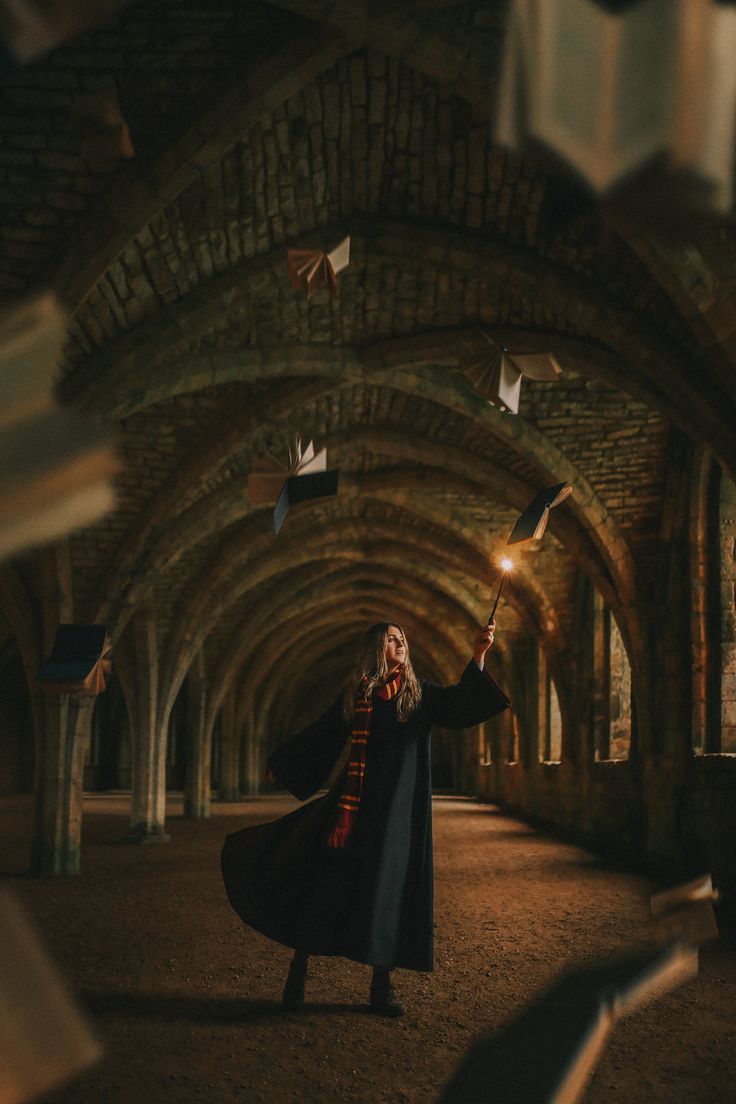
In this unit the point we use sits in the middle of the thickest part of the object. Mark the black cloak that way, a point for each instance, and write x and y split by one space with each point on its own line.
372 901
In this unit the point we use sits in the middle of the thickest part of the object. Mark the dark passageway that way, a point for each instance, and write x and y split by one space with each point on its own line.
186 999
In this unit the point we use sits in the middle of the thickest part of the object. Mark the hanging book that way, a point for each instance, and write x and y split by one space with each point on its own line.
686 912
610 87
99 123
78 663
306 477
496 373
55 464
532 522
310 269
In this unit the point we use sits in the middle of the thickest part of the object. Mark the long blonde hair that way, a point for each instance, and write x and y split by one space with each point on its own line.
371 670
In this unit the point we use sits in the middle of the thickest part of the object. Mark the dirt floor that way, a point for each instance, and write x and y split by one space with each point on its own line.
186 999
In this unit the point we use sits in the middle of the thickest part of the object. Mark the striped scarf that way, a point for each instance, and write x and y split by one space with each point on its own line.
347 806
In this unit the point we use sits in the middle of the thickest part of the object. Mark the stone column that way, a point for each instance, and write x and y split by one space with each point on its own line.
57 825
228 782
199 744
62 725
252 767
148 798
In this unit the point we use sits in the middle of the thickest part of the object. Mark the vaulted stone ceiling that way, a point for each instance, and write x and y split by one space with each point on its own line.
263 126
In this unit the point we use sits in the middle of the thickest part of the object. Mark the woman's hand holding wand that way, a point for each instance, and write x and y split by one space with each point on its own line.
483 641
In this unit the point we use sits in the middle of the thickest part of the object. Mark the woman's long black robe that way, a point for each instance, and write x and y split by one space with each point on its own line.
372 901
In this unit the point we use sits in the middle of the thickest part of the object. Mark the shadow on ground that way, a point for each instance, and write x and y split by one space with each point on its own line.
201 1010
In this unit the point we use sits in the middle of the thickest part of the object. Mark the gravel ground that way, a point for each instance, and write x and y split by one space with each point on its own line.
186 999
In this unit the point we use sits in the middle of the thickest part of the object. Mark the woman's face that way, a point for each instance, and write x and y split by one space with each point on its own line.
395 647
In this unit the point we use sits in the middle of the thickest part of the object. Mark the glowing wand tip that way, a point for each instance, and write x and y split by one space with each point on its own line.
506 566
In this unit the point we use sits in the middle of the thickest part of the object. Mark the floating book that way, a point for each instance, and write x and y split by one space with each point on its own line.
531 524
28 28
98 121
496 373
310 269
686 911
608 90
44 1039
546 1054
302 488
78 663
56 466
305 478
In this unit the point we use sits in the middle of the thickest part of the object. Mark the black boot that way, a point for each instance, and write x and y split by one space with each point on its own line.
384 1001
293 996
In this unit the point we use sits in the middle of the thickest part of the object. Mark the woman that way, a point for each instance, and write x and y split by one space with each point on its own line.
350 873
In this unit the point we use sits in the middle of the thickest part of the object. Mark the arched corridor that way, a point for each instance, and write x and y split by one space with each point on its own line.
227 134
187 1000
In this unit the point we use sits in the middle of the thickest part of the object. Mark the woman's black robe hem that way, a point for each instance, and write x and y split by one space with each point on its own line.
373 901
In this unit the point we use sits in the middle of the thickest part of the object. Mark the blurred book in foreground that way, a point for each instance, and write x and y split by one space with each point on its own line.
547 1053
608 88
43 1038
686 911
56 465
29 28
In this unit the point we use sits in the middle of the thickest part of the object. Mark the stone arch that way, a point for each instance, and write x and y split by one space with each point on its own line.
141 191
462 400
204 610
336 584
329 617
622 337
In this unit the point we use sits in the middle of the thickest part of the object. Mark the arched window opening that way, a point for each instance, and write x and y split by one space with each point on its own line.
620 693
553 736
612 698
550 718
720 644
485 745
512 736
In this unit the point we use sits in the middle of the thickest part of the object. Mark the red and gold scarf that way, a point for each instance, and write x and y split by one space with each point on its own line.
347 806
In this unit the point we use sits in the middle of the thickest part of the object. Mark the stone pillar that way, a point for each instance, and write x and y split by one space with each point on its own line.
199 744
58 810
252 765
148 798
228 781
